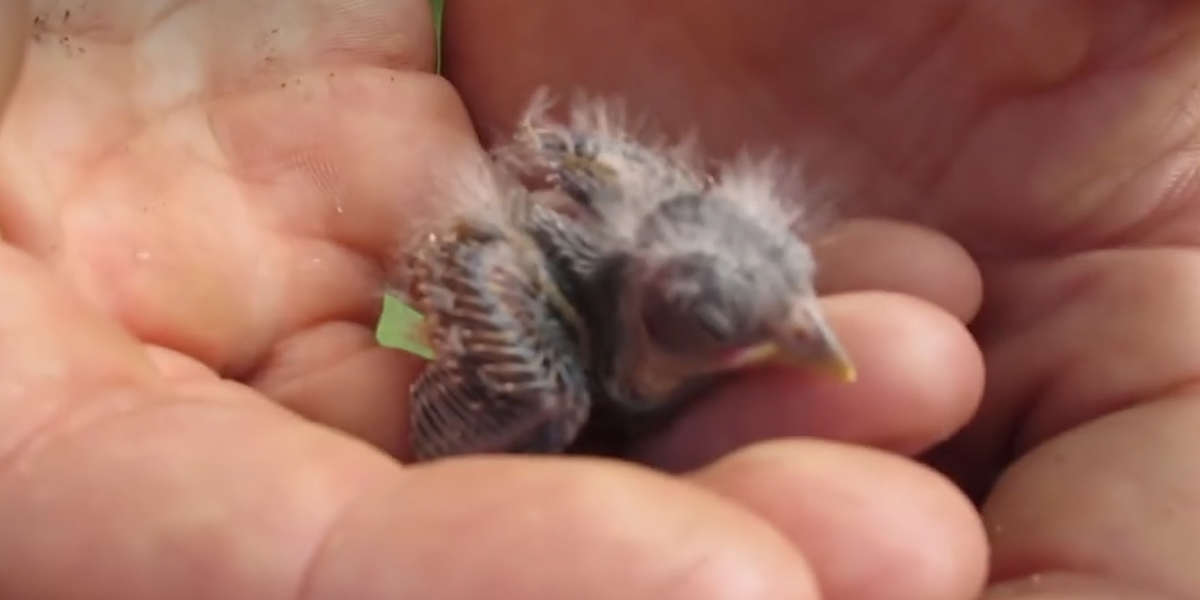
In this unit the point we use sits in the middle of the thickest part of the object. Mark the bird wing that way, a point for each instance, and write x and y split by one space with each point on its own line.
509 373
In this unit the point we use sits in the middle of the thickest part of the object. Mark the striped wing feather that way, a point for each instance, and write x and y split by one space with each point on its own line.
508 376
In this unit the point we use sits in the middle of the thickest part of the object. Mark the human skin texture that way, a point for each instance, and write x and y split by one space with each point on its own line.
198 202
1054 141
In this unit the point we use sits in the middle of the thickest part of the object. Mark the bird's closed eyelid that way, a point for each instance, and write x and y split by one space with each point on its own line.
715 322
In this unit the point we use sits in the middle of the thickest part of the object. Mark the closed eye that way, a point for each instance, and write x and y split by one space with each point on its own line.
714 322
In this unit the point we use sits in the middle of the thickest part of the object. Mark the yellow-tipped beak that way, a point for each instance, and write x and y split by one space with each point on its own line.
837 363
805 341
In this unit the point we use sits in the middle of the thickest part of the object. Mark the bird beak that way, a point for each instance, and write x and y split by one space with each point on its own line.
804 340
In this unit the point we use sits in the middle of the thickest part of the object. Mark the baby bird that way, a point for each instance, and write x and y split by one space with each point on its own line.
647 284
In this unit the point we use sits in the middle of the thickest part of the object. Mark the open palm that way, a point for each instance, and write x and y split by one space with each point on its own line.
1054 140
198 202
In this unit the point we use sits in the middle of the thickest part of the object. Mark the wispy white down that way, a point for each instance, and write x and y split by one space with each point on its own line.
648 168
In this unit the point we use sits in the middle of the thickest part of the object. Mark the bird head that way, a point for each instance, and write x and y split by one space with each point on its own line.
712 290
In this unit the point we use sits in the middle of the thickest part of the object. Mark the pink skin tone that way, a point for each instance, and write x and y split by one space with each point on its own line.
197 203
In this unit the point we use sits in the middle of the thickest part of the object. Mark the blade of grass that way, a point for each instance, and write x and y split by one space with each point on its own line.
438 8
400 327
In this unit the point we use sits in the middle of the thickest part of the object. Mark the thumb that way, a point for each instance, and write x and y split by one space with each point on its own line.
118 483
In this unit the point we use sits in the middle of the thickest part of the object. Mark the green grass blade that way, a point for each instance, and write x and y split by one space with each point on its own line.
400 327
438 8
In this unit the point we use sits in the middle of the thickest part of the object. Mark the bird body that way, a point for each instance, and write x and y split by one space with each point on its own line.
649 283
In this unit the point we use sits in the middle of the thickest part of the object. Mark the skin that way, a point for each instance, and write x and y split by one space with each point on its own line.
198 206
1051 140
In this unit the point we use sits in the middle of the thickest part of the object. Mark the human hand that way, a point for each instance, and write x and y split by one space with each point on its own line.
196 203
1052 139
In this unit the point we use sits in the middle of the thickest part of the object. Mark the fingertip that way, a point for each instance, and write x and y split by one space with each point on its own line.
920 369
920 539
877 254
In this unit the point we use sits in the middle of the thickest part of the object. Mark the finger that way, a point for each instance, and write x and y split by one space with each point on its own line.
872 525
553 528
337 374
1068 586
378 172
226 45
920 377
874 254
312 195
204 486
1071 339
14 31
243 503
80 87
1113 499
51 346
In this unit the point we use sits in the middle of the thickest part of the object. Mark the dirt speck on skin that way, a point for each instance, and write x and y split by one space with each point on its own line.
71 49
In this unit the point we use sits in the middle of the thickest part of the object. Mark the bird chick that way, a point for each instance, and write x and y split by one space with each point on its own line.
653 282
706 274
